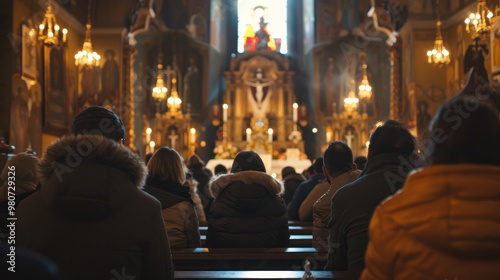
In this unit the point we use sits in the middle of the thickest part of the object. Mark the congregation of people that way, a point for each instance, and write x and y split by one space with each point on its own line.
93 209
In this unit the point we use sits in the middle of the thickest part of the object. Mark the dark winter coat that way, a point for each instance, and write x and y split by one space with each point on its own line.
90 216
247 211
352 207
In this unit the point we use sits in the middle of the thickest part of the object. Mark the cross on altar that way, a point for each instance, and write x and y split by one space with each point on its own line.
349 137
173 138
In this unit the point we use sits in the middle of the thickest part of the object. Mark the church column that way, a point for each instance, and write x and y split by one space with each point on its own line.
130 91
395 82
137 96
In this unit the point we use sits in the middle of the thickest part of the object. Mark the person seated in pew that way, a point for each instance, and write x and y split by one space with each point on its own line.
339 170
352 206
305 188
248 210
291 180
90 216
445 223
166 182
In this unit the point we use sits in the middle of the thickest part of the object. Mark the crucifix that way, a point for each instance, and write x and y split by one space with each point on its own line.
173 138
349 137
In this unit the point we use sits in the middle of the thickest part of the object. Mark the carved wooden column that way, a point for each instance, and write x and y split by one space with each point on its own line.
395 82
129 107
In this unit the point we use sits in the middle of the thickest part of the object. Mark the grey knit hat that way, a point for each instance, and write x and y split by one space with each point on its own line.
99 120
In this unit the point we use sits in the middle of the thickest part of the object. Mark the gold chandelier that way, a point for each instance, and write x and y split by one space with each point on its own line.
479 23
87 56
48 30
365 89
174 102
351 102
160 90
439 55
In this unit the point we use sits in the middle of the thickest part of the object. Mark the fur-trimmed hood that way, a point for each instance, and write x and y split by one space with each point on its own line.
249 177
88 175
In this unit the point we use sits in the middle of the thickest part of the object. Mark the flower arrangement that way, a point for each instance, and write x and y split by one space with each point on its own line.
227 151
295 137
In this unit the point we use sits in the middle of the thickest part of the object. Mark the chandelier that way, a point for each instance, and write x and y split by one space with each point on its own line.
351 102
48 30
439 55
174 102
87 56
479 23
160 91
365 89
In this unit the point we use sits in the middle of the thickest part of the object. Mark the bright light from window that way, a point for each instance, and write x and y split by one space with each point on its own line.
253 14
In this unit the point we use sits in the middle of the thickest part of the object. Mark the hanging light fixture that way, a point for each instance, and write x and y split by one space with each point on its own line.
48 30
365 89
351 102
160 90
439 55
479 23
87 56
174 102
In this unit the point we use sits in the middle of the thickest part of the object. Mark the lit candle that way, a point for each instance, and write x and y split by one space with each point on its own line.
249 135
65 33
270 135
328 136
192 135
148 134
224 112
295 112
152 146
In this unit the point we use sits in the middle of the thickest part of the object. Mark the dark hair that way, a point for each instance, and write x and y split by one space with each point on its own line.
220 169
287 170
247 160
360 162
195 162
337 157
99 120
391 138
318 165
147 157
473 136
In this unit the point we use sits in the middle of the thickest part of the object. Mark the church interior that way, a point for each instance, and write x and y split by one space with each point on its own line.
283 77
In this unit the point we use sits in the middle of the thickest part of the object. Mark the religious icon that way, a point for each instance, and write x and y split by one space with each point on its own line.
259 93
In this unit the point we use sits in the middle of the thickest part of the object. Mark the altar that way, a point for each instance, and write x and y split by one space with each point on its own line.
276 165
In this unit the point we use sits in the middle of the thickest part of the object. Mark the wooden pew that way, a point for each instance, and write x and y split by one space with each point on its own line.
300 223
296 240
243 258
293 230
258 275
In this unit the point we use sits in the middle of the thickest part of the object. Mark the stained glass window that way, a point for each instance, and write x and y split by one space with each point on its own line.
262 25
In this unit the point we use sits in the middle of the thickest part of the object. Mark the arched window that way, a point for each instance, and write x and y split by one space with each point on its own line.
262 25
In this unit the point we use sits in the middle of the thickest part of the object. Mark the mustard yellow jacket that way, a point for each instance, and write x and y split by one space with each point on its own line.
443 224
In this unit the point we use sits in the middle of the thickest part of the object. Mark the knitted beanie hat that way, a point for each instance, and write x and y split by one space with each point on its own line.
247 160
99 120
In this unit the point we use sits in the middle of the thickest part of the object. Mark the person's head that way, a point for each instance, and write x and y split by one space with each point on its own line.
288 170
220 169
391 138
337 160
147 157
26 174
195 162
166 165
318 165
100 121
247 160
464 131
360 162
